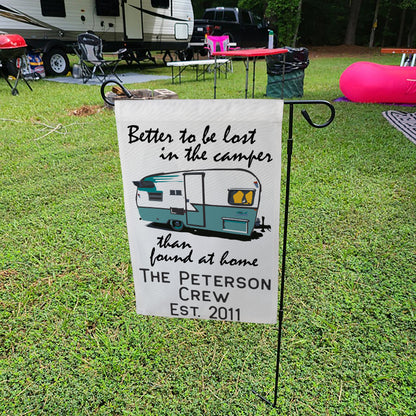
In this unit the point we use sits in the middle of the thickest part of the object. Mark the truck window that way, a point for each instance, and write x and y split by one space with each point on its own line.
229 16
107 7
241 196
160 4
258 21
245 17
219 14
53 8
209 15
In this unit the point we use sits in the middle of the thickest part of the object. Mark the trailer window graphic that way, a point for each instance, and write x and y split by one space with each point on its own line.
218 200
241 196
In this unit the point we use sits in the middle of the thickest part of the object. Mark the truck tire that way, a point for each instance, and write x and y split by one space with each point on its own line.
230 36
56 62
185 55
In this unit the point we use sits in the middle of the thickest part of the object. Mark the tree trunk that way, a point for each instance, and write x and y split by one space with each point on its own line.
374 27
352 22
298 17
412 31
401 29
386 27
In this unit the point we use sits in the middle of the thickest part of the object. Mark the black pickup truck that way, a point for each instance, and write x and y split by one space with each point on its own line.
242 26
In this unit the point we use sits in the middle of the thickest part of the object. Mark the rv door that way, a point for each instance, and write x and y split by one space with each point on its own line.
133 22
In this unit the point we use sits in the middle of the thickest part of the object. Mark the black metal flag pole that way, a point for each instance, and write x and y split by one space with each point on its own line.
305 114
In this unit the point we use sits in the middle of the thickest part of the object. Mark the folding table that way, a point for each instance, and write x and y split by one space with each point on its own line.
205 64
405 61
246 53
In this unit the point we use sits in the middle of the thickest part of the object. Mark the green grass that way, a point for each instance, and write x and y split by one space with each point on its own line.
70 340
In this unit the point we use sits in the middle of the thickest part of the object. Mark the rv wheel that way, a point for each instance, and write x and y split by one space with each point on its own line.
176 225
56 62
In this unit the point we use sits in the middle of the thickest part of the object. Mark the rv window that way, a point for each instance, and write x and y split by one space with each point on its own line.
241 196
155 196
175 192
160 4
107 7
54 8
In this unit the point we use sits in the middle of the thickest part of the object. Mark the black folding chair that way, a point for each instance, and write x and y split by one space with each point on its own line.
92 62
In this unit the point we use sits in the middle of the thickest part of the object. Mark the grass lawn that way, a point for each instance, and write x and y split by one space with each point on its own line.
71 342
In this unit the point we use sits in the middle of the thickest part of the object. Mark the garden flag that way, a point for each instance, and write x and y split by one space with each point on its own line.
201 185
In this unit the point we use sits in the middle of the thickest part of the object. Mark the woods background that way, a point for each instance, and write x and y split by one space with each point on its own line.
381 23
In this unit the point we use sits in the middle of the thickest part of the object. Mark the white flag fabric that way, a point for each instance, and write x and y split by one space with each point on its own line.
201 183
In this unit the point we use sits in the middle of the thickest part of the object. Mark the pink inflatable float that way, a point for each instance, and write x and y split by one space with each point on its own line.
367 82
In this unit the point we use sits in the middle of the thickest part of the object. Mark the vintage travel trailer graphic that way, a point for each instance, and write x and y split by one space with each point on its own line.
218 200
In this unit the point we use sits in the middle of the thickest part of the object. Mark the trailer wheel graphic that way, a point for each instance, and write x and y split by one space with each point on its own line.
176 225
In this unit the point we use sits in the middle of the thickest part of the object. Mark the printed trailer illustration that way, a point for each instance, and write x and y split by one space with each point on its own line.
218 200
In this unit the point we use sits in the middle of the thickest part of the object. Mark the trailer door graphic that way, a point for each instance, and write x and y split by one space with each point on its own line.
195 199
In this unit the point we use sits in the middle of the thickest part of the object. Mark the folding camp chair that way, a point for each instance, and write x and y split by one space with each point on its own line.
218 44
90 52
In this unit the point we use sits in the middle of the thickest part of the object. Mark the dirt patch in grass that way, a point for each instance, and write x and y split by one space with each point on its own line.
7 273
341 50
86 110
6 276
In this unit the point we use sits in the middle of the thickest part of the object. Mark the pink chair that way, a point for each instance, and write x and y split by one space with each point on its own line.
217 44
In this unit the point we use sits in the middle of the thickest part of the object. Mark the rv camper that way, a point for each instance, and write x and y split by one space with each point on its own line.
219 200
52 26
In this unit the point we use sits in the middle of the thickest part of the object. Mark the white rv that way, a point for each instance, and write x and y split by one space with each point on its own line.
52 26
